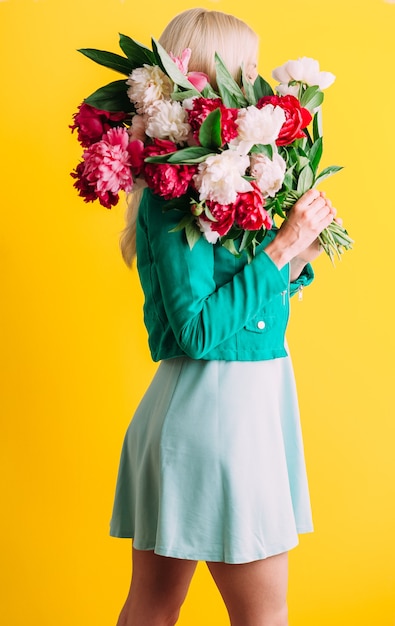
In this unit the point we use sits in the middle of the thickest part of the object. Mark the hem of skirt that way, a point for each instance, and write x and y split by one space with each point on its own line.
217 556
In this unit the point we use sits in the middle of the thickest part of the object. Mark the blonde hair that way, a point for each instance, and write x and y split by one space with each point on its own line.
205 32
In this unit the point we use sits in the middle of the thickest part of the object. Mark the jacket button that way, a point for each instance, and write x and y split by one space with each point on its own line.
261 324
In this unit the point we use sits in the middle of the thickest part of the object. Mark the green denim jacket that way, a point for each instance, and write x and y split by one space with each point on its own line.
206 303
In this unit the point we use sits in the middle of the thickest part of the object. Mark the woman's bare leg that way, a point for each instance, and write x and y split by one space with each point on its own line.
158 589
255 593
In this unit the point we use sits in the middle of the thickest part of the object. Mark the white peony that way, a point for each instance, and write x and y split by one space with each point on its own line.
146 85
167 120
304 70
205 227
269 174
219 177
257 126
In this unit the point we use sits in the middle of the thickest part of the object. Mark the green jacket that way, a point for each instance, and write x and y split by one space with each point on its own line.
205 303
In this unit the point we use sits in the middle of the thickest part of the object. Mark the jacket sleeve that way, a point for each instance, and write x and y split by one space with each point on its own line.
303 280
200 313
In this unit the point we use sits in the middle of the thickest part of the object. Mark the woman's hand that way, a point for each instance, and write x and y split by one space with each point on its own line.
297 237
307 256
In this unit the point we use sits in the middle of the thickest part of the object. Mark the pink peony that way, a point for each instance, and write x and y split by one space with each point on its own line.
88 191
224 215
168 181
92 123
201 107
250 213
198 79
106 168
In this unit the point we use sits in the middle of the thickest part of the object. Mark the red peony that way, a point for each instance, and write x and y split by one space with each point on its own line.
136 155
223 213
250 214
87 189
296 117
92 123
168 181
201 107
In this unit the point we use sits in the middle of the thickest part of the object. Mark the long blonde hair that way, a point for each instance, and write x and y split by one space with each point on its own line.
205 32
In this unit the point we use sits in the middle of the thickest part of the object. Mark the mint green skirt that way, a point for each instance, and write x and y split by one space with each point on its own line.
212 466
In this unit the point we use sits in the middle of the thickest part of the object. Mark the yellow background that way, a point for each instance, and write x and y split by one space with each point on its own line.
74 355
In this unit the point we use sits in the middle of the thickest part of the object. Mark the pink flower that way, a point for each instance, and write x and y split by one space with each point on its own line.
296 117
198 79
224 215
182 61
250 213
92 123
168 181
88 191
106 168
201 107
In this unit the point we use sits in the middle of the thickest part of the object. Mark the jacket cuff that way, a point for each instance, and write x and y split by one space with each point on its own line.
304 279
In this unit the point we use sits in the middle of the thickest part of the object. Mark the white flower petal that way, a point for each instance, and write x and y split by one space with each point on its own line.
296 70
304 70
269 173
210 235
326 79
259 125
220 177
281 74
167 120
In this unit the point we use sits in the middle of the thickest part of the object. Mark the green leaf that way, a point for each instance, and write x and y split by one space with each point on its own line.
171 69
315 154
229 244
292 155
262 88
328 171
317 125
247 239
230 91
305 180
288 178
182 95
308 139
248 88
302 162
210 131
108 59
194 154
209 92
111 97
279 209
182 223
312 98
192 233
137 54
260 148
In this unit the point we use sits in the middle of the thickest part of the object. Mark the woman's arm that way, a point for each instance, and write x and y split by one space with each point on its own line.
205 294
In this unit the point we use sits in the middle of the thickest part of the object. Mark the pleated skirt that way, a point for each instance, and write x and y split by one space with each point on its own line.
212 465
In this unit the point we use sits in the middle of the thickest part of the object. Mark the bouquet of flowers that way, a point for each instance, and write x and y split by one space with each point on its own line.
241 154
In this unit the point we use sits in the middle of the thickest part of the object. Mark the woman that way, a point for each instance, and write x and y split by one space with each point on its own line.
212 466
